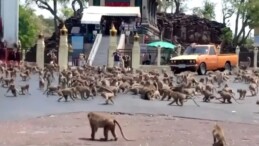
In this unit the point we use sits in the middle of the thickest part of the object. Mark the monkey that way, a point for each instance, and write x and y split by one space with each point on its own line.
84 90
242 94
13 90
24 76
210 87
108 96
124 86
257 102
218 136
7 81
253 89
24 89
207 95
226 96
227 89
64 93
51 90
238 79
97 120
180 97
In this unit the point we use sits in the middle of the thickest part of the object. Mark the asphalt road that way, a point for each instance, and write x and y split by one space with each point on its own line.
37 104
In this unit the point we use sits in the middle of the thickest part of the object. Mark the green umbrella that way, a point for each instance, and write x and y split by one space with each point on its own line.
162 44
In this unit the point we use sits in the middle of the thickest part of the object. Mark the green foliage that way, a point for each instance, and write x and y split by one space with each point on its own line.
28 29
227 35
66 12
206 11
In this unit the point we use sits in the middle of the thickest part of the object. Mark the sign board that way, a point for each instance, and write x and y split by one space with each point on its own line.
77 42
256 41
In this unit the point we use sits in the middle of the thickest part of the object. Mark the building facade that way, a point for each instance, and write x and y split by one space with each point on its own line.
148 10
9 10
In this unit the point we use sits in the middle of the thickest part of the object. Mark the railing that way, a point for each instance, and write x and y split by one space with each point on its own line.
121 44
94 49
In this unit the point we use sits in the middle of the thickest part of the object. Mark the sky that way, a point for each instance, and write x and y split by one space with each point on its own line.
191 4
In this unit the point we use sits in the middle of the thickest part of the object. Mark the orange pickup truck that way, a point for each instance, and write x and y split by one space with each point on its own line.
203 58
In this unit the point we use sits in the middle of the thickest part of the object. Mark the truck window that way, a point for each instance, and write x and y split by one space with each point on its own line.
199 50
212 51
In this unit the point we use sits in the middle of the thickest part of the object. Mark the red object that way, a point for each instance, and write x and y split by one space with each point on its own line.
117 4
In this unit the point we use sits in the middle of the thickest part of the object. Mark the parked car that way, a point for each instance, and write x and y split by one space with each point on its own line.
203 58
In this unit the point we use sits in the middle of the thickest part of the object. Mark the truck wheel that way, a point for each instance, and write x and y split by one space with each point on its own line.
202 69
227 66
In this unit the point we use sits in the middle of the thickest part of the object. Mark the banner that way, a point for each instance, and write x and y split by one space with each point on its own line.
77 42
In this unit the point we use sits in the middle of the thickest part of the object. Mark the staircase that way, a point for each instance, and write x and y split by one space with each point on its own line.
101 55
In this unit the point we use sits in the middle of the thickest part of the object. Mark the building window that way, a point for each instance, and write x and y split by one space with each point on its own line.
96 2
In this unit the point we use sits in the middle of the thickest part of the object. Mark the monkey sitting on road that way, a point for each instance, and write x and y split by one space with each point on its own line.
242 94
218 136
13 90
97 120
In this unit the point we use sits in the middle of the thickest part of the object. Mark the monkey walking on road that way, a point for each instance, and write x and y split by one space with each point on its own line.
97 120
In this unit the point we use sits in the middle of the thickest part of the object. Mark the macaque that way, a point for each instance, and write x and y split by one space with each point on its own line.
24 89
242 94
218 136
97 120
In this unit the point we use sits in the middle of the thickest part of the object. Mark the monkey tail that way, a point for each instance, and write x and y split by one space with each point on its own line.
195 101
116 122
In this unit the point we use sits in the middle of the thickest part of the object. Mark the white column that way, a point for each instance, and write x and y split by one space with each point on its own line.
237 52
255 57
63 49
135 60
40 51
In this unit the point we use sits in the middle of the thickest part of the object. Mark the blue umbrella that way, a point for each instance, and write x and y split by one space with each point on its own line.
162 44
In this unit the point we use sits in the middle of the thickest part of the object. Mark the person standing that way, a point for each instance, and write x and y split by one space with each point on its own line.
116 58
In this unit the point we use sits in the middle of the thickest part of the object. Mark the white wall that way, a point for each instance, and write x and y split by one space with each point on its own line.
10 18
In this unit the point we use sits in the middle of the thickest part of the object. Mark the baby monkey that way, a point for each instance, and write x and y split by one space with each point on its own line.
218 136
242 94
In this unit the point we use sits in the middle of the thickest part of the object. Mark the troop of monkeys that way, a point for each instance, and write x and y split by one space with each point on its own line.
108 82
90 81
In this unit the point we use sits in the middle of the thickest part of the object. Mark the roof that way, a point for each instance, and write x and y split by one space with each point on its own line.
93 14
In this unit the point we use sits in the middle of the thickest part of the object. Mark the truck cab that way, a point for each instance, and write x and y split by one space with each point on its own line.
202 58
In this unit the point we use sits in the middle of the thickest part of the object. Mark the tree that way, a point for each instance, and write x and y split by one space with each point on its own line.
28 29
45 4
227 10
247 14
206 11
163 5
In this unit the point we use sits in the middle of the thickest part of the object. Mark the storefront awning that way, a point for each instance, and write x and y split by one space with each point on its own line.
93 14
89 18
